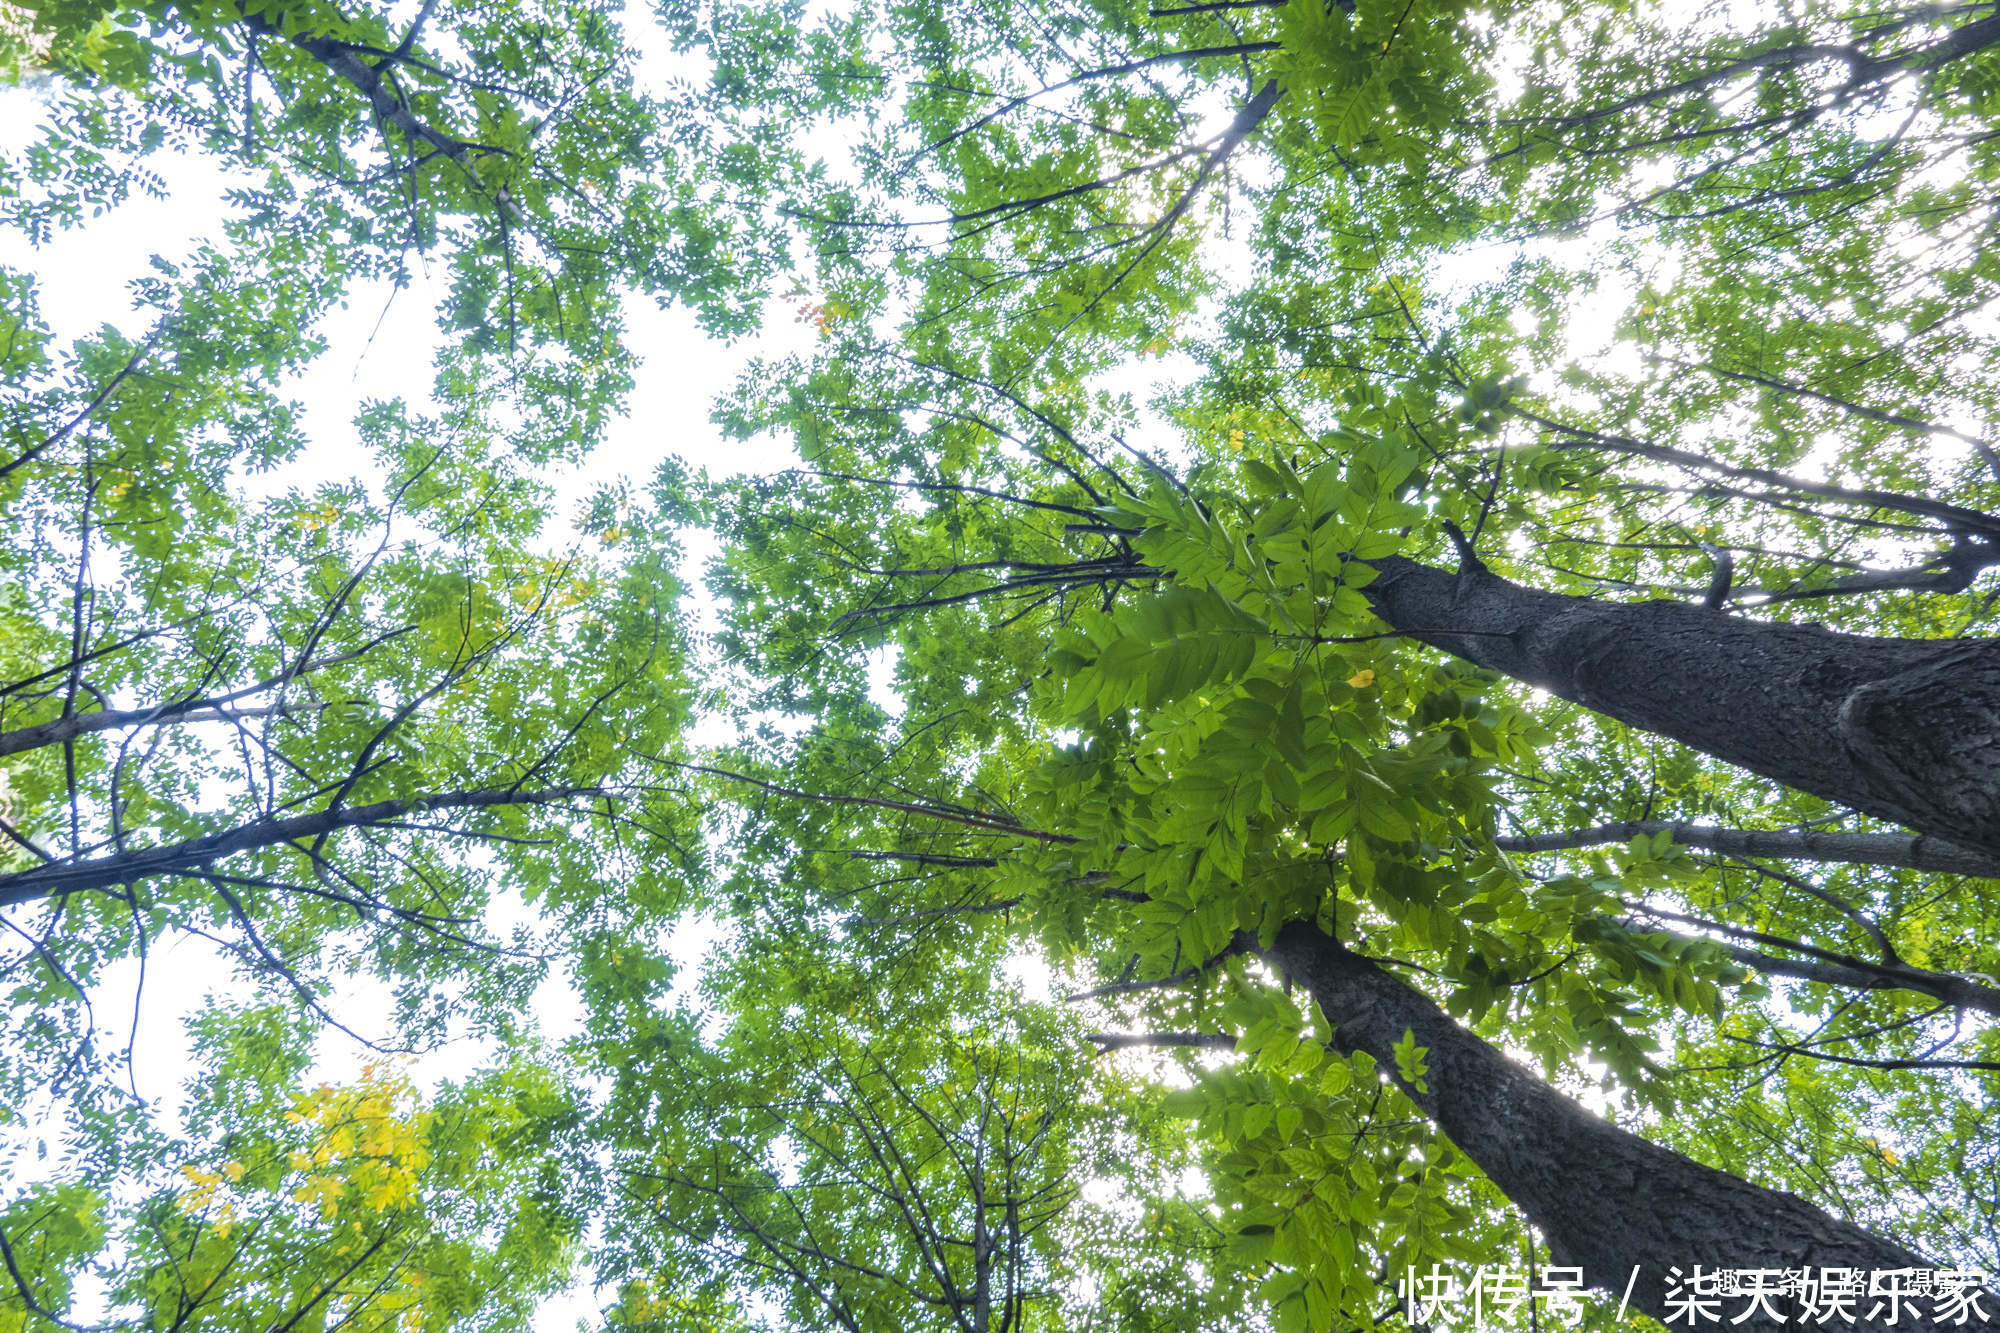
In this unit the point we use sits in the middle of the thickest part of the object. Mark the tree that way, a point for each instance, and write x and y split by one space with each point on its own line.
513 144
1221 833
331 732
854 1168
1229 775
295 730
364 1206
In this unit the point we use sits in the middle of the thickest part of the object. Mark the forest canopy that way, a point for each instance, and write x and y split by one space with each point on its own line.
1431 568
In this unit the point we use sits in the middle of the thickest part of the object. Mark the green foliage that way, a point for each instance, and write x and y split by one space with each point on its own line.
286 730
366 1204
1140 712
510 146
954 1162
1159 681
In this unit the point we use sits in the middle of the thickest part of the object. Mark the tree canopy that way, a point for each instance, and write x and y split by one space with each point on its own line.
1432 566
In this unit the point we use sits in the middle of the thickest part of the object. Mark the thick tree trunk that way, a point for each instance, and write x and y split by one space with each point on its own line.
1902 729
1604 1198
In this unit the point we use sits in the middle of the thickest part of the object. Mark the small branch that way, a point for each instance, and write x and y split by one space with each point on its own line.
905 807
1953 516
1949 573
1790 1048
1468 560
28 1296
1081 574
1109 71
1837 903
97 401
1824 974
1952 988
416 26
15 835
1550 970
1802 391
368 81
1229 4
1725 574
955 488
1252 115
69 728
194 855
929 859
931 914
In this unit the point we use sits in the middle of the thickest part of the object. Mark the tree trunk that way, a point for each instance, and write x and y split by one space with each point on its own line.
1902 729
1604 1198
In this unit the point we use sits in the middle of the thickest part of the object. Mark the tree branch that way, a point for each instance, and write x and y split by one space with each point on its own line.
929 914
1119 1041
1876 849
1245 942
97 400
1954 516
196 854
1790 1048
368 81
1948 987
28 1296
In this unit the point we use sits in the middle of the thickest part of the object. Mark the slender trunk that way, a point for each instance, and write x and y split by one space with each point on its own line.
1604 1198
982 1244
1902 729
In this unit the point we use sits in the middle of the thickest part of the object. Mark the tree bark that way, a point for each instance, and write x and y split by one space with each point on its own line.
1906 730
1604 1198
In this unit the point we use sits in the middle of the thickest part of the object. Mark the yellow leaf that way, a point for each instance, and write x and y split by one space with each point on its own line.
1362 679
325 1190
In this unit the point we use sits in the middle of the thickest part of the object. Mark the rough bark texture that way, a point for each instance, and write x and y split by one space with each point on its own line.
1605 1199
1902 729
1868 849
